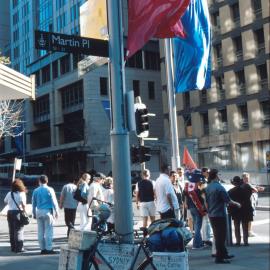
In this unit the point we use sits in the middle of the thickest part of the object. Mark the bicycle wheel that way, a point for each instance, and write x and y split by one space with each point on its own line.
146 265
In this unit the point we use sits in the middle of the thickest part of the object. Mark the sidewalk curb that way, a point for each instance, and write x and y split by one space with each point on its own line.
263 208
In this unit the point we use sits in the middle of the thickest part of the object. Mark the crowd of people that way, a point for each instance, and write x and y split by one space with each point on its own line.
196 197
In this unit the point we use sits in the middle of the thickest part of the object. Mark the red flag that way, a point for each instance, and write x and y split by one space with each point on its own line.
188 161
153 18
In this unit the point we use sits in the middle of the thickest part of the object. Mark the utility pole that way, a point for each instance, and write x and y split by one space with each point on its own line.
119 131
172 105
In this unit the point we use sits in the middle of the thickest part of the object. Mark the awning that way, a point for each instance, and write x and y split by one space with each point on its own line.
14 85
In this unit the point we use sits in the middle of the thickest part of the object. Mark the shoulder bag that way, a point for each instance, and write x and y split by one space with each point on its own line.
23 218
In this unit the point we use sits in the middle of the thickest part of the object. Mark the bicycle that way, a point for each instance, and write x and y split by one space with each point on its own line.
93 257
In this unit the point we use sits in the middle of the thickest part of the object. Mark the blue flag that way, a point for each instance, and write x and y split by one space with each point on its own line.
192 55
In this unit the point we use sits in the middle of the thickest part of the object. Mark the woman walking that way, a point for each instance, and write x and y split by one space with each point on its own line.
17 195
83 186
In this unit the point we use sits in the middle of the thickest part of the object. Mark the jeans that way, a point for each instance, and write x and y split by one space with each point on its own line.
168 214
45 228
197 224
206 229
15 231
237 232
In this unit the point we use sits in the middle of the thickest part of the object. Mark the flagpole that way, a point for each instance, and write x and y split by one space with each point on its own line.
120 155
172 105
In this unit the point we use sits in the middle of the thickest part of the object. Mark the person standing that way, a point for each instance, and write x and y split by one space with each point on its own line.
109 198
145 195
166 198
206 226
83 186
217 198
244 215
254 198
178 191
69 204
17 195
45 210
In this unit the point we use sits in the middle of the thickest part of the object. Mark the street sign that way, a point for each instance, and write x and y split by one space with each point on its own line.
69 43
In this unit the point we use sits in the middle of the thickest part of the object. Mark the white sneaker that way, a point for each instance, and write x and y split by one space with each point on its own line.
251 234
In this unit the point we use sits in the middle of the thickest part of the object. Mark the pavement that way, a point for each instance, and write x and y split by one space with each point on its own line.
254 257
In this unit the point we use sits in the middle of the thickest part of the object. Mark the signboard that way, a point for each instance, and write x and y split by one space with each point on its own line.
119 256
170 261
69 43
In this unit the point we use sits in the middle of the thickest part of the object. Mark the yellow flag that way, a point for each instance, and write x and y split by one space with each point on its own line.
93 19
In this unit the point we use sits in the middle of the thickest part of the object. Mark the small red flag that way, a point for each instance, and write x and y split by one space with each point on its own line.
153 18
188 161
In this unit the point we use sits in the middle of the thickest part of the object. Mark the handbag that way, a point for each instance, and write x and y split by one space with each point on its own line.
78 196
22 217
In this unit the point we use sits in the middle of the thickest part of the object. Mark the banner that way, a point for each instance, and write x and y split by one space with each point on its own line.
153 18
192 54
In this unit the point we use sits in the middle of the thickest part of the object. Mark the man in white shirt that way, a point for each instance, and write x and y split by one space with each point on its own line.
167 203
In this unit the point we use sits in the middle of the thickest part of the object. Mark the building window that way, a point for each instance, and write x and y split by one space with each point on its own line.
205 123
72 95
16 52
42 109
152 60
257 8
55 69
243 125
245 156
238 48
221 87
262 74
216 157
265 109
103 83
77 57
259 37
16 35
223 122
37 78
216 22
218 52
151 90
186 96
136 88
135 61
15 18
188 125
235 14
73 127
241 82
263 147
45 73
15 3
65 64
203 96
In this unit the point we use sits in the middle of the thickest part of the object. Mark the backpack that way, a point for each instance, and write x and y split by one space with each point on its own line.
78 196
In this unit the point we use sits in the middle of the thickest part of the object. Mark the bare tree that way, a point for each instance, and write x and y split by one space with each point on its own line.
10 118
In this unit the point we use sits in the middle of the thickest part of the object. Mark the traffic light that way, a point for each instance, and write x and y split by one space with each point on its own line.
145 154
141 119
135 154
140 154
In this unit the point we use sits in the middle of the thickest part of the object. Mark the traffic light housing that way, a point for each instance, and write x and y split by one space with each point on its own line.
140 154
145 154
141 119
135 154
